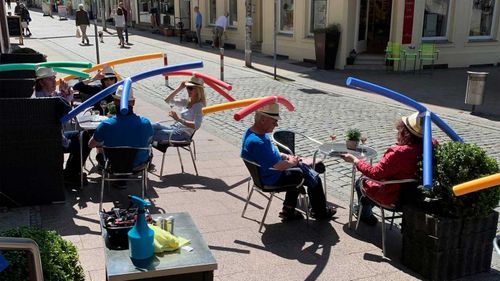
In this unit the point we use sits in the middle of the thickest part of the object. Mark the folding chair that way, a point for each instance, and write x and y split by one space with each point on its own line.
407 190
185 144
393 53
427 52
258 186
119 166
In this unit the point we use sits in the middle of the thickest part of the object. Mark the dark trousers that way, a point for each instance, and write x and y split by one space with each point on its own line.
314 188
73 166
367 204
126 33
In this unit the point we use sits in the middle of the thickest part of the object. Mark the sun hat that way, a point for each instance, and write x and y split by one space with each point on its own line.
271 110
194 82
108 72
119 91
413 123
44 72
80 6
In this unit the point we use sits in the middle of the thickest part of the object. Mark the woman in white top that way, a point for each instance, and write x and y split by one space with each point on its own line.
190 117
120 26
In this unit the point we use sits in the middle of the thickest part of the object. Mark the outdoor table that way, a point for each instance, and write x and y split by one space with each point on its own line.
336 150
198 264
86 122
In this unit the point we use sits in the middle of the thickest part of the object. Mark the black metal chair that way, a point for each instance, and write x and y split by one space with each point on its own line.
407 191
258 186
185 144
119 166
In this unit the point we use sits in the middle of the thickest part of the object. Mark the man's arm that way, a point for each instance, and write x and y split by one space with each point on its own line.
93 143
288 161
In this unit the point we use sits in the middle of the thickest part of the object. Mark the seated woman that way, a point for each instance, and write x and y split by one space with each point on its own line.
399 162
190 117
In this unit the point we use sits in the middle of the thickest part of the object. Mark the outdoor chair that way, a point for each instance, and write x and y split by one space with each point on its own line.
427 52
407 193
285 141
119 166
185 144
258 186
392 54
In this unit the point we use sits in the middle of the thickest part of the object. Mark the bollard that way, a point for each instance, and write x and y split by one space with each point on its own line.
165 63
221 64
475 88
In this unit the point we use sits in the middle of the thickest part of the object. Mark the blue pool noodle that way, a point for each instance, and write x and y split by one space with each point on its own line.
111 89
427 150
124 99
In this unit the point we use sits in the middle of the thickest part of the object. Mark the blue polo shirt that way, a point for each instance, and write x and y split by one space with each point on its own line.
197 21
258 148
126 130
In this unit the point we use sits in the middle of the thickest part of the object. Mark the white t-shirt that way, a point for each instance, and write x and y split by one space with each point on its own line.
119 21
222 22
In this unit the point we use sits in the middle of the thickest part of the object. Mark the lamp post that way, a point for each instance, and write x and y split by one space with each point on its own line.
248 34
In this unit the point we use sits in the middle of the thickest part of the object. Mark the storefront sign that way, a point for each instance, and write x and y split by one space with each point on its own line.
408 21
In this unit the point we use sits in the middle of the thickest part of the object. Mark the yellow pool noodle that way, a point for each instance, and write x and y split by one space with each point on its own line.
228 105
477 184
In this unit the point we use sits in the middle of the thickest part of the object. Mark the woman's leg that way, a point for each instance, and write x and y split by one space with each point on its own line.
367 206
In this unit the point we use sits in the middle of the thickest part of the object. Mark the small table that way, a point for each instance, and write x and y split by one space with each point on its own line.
336 150
199 264
86 122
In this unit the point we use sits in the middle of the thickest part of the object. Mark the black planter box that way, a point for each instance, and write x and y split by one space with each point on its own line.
441 248
326 45
31 151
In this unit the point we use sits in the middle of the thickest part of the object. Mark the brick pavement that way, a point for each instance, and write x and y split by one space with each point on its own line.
328 109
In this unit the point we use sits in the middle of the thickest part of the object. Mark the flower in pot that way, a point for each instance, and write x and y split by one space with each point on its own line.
352 136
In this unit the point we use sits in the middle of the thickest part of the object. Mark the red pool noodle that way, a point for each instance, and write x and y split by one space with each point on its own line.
258 104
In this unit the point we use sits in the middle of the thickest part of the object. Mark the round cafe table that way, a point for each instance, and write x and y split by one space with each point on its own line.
336 149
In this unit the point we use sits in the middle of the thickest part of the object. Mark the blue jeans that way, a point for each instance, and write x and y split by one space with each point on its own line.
164 133
367 205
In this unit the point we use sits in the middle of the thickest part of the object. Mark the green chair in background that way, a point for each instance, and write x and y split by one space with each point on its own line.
393 53
427 52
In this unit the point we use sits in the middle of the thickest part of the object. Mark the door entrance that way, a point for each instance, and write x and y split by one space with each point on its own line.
376 16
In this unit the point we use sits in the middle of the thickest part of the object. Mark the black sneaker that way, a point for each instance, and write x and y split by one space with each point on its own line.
287 215
328 214
370 220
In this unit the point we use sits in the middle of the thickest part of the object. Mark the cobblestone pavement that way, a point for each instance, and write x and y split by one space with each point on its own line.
320 110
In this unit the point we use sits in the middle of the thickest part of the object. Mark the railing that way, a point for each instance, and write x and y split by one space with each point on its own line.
14 243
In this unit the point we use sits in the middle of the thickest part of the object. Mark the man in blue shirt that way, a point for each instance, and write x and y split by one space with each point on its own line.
197 24
124 130
256 146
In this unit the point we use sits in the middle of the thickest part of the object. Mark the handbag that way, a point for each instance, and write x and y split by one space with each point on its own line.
78 35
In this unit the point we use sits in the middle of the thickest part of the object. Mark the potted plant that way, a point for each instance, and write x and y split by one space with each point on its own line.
326 44
59 257
352 136
447 237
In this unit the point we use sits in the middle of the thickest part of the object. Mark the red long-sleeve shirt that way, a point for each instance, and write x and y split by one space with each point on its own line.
399 162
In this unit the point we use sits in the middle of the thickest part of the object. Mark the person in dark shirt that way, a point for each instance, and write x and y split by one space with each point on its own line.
107 77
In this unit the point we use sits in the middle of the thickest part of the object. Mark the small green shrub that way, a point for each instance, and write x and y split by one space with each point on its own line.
353 134
331 28
455 163
59 257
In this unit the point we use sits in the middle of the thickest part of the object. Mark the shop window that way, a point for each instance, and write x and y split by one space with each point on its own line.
167 13
145 11
233 12
317 15
481 24
436 18
212 12
285 16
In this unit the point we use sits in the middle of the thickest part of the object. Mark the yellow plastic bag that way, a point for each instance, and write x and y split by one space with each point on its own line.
165 241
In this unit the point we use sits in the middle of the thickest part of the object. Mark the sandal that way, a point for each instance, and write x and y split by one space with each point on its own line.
330 211
290 215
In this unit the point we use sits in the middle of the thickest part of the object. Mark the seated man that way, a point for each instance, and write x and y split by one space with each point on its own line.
107 77
45 86
256 146
124 130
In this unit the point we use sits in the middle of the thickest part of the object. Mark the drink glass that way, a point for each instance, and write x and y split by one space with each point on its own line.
104 106
363 139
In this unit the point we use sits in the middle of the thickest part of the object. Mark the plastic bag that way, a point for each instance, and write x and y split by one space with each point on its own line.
78 35
165 241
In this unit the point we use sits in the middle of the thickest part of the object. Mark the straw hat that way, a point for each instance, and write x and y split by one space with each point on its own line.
108 72
271 110
44 72
194 82
414 124
119 91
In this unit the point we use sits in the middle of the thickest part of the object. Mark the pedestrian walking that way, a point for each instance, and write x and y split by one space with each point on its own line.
25 19
219 30
17 9
82 21
8 4
125 14
120 25
198 22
